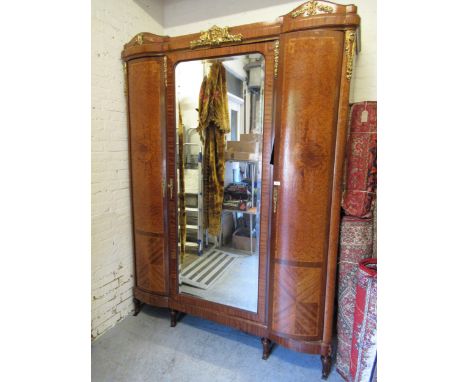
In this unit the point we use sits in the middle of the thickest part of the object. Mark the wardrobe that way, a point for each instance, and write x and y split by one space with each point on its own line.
306 58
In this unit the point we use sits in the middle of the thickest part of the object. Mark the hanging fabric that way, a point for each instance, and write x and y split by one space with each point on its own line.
213 115
182 213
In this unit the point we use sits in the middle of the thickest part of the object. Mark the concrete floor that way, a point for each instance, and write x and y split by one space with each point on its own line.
146 348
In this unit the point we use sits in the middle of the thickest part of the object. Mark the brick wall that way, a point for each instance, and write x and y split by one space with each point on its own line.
113 24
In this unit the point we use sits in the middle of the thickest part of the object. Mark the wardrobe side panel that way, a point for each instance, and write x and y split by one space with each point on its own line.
147 140
310 80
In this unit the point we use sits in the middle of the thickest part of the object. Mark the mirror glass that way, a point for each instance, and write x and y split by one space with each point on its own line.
219 105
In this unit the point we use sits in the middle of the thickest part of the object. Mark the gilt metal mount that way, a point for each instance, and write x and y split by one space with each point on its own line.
165 70
350 39
215 36
311 8
276 58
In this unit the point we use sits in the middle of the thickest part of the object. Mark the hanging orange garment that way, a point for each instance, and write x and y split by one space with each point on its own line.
182 212
213 115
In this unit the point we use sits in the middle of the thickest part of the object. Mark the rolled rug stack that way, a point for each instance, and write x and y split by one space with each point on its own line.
356 244
358 239
361 168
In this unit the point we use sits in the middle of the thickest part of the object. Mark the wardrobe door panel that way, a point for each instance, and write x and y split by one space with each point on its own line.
147 146
296 306
311 70
150 259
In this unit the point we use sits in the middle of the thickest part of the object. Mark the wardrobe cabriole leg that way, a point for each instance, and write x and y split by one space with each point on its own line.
266 348
326 365
137 306
173 318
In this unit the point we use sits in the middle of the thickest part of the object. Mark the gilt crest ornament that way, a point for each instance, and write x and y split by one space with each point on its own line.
215 36
310 9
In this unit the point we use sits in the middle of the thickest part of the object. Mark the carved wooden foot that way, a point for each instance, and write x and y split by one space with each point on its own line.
326 365
266 347
137 306
173 318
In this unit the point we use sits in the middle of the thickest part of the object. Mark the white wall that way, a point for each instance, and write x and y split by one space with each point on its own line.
114 23
183 17
364 80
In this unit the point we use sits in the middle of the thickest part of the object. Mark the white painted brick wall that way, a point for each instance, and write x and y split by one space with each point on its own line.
113 24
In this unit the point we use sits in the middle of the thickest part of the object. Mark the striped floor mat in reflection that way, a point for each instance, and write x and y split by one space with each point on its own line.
203 272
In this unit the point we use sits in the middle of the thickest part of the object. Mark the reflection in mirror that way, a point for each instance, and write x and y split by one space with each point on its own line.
219 155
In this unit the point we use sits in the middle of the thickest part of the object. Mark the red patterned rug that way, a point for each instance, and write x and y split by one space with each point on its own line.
364 344
361 165
355 244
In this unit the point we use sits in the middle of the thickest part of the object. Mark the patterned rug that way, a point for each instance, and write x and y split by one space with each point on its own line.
355 244
361 162
204 272
364 344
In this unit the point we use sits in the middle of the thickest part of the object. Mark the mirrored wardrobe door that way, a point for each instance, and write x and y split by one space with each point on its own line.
219 107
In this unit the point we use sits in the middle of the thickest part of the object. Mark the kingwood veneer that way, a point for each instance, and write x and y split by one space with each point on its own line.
308 66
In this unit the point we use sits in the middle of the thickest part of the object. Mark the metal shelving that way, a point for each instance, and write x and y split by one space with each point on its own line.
254 209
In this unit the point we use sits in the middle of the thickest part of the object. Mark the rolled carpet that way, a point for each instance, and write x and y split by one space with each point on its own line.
355 244
361 163
364 344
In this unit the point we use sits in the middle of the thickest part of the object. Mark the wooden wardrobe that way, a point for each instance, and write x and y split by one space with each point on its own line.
308 66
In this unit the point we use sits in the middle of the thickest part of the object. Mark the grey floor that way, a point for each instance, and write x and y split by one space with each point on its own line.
146 348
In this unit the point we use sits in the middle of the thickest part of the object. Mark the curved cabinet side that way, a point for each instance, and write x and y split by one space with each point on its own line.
146 105
310 75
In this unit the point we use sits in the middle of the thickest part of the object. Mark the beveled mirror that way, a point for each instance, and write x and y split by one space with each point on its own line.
219 103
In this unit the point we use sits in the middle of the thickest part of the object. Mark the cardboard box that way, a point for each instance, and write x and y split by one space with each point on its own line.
232 155
241 240
243 146
251 138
